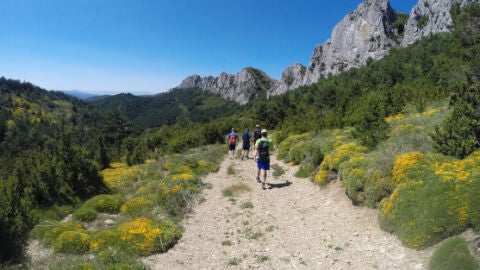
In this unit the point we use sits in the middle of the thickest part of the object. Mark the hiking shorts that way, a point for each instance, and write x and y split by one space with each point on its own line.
232 146
263 164
246 147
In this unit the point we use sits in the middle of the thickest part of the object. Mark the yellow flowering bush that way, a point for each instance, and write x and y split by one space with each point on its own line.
48 231
321 177
297 153
404 163
119 175
136 205
100 203
181 169
435 196
206 167
73 242
183 176
392 118
150 189
341 153
286 145
102 239
147 237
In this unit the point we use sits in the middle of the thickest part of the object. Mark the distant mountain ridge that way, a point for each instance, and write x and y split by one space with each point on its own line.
79 94
369 32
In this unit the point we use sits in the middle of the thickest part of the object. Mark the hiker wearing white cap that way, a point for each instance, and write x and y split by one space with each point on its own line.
263 147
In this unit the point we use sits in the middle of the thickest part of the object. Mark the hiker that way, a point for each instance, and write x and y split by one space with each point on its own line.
246 138
232 139
263 146
257 134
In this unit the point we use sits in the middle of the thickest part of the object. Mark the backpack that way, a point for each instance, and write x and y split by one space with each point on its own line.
232 139
263 149
257 133
246 138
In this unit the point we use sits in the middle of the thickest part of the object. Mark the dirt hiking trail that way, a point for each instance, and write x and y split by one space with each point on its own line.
293 225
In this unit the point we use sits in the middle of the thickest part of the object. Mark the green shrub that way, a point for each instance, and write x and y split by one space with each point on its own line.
107 203
85 213
72 242
100 203
434 197
459 134
48 231
286 146
453 254
296 153
147 237
136 206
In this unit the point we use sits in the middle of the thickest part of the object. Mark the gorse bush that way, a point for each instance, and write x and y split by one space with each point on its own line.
72 242
48 231
453 254
434 196
367 176
147 237
100 203
163 191
119 176
304 149
136 206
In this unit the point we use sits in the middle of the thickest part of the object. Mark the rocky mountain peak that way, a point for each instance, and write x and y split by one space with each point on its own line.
240 87
365 33
430 17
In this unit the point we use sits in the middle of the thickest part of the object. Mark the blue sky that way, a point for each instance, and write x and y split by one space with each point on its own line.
143 46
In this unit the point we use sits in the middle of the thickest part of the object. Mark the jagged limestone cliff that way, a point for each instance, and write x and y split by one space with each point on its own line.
366 33
429 17
240 87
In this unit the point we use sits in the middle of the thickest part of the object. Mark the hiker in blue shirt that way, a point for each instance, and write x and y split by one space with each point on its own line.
246 138
232 139
263 147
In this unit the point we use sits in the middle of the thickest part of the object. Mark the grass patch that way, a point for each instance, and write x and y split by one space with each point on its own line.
231 170
262 258
235 190
453 254
249 234
227 243
234 261
277 170
246 205
270 228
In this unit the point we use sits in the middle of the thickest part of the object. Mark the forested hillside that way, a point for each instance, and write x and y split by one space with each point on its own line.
52 149
175 106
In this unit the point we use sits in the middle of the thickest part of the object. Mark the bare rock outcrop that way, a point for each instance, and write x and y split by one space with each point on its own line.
240 87
366 33
430 17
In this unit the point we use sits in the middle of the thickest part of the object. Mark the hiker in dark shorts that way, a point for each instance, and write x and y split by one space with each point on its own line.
257 134
232 139
246 138
263 147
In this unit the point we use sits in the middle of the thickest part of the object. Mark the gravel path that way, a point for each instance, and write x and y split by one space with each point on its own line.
294 225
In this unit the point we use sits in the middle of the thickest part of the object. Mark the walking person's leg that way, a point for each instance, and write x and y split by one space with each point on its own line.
266 167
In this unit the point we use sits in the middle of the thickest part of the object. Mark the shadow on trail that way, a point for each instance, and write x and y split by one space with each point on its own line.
280 185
